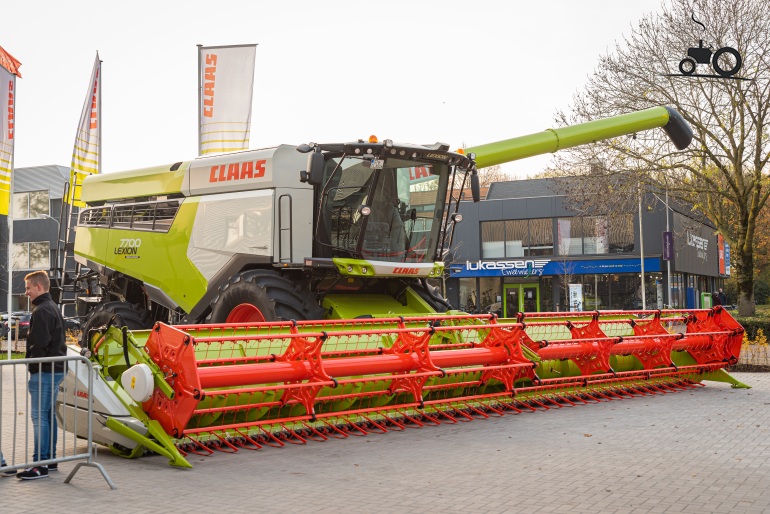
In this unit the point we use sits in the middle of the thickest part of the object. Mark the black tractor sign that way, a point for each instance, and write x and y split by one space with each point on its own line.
726 61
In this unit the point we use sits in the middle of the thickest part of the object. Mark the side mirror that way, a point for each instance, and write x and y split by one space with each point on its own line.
315 168
475 188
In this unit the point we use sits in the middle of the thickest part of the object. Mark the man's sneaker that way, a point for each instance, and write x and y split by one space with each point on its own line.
53 467
33 473
7 472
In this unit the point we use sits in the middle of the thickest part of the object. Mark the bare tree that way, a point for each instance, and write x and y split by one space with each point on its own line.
487 177
723 172
566 274
492 174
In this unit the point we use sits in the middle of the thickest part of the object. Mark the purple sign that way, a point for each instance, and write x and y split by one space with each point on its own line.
668 246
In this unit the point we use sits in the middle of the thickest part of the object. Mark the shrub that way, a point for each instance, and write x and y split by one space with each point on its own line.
753 325
754 353
761 291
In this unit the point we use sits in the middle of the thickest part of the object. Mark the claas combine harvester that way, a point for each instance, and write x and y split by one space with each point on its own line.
281 295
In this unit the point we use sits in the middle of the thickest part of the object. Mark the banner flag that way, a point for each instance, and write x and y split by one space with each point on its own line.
225 90
7 123
86 155
9 62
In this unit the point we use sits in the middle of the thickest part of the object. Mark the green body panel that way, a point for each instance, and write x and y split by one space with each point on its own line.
155 181
551 140
160 260
350 306
363 268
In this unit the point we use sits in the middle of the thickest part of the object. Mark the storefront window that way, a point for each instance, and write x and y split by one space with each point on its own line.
677 290
516 238
656 291
468 301
626 293
540 237
595 235
596 292
492 239
703 285
491 294
621 233
547 294
570 236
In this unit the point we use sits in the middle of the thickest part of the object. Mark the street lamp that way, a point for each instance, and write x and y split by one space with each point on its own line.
58 233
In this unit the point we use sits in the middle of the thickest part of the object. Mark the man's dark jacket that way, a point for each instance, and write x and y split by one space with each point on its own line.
46 334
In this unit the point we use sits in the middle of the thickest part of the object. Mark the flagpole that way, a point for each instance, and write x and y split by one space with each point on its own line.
200 92
99 122
10 248
10 227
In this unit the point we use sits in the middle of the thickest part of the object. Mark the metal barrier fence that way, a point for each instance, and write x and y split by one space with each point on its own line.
17 431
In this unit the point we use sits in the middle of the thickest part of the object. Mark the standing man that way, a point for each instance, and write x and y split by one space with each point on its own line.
722 297
45 339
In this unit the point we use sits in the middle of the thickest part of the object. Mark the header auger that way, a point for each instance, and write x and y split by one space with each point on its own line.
247 385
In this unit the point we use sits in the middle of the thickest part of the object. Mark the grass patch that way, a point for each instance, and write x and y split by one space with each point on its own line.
14 355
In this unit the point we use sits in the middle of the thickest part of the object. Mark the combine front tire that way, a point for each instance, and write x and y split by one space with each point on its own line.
134 317
259 295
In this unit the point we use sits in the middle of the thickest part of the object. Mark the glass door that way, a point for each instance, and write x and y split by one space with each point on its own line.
511 299
530 297
521 298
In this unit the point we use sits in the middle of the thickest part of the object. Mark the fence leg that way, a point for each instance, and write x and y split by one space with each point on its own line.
91 465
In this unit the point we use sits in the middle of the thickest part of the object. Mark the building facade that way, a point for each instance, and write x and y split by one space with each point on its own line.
37 204
524 249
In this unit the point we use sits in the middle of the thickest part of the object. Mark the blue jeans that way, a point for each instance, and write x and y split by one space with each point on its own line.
43 388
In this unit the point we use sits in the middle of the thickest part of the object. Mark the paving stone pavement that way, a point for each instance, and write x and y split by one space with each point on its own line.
706 450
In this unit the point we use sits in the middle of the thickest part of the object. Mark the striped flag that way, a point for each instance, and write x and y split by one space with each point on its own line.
226 86
9 69
86 155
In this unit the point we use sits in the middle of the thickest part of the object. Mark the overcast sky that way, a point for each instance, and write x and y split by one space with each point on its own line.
420 71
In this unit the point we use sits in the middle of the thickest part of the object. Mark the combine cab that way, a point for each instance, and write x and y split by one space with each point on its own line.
282 295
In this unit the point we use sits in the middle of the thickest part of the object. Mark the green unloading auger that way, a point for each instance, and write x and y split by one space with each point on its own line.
552 140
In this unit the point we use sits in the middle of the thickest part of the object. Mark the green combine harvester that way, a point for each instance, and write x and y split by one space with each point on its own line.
280 295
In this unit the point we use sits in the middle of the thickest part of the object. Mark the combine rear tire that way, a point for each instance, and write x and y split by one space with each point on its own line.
260 295
134 316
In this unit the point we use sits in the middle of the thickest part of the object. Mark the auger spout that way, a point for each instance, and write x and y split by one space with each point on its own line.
552 140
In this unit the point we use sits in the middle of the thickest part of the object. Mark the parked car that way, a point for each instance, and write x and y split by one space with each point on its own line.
71 324
23 317
20 318
4 321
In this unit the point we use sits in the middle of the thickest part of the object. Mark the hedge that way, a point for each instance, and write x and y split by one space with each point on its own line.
752 324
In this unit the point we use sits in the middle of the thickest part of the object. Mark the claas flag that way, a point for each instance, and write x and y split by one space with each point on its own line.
9 70
86 156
